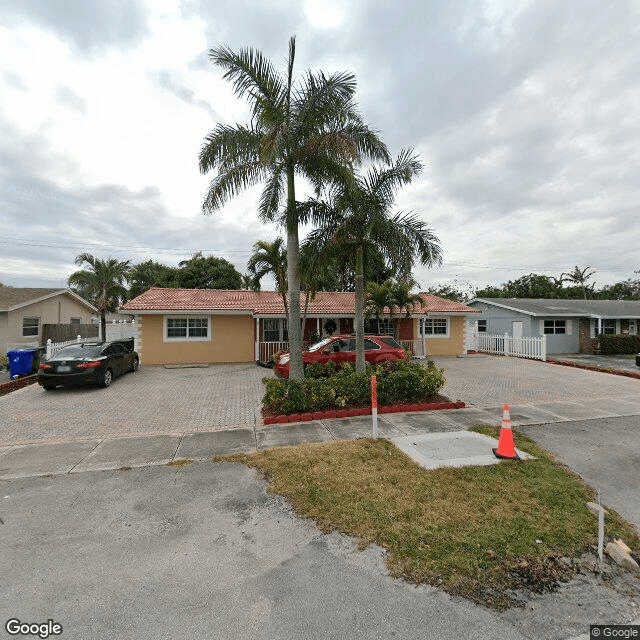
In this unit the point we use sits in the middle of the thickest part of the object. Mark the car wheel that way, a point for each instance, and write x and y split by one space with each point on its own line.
134 365
107 378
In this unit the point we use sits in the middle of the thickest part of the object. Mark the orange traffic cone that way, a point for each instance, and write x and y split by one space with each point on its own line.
506 447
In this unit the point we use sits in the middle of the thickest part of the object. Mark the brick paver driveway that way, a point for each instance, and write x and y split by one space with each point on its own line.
156 400
489 381
153 400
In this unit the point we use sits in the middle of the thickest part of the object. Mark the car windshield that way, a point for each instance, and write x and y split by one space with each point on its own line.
79 351
318 345
390 342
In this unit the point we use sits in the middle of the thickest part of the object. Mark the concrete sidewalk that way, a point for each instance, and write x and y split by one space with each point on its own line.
20 461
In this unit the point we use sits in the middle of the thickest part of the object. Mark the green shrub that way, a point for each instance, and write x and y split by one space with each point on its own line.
324 387
619 344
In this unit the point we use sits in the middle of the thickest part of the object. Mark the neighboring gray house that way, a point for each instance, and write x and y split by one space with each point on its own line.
571 326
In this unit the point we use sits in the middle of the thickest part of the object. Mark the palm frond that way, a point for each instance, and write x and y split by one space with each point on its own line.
272 195
227 146
231 182
251 73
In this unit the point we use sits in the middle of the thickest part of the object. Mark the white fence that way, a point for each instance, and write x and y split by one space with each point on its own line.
418 348
54 347
535 348
266 350
121 330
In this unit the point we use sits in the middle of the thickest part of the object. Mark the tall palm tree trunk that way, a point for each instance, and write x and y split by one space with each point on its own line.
359 311
296 371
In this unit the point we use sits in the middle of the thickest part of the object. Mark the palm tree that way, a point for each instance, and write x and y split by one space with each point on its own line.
378 299
101 283
357 217
579 277
403 300
270 258
307 127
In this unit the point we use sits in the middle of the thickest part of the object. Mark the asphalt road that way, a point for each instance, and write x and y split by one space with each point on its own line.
202 552
605 452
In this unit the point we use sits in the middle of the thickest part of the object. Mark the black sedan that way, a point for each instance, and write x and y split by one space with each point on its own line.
87 363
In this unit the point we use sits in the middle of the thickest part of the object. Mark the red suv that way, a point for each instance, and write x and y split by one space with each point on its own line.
343 349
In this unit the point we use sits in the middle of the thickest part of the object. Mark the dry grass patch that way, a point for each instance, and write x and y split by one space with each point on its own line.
476 531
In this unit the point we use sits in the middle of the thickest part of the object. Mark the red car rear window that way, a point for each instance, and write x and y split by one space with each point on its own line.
390 342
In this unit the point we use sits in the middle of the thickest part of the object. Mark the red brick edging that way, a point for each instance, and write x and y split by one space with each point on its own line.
364 411
18 383
590 367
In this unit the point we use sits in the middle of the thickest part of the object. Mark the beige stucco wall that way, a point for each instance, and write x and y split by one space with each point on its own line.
231 341
58 310
449 346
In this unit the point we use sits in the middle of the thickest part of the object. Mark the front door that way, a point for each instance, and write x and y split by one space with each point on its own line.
516 332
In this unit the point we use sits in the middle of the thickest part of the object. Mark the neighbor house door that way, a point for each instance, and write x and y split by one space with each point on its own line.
516 332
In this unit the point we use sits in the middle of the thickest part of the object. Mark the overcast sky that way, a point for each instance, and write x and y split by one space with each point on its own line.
525 115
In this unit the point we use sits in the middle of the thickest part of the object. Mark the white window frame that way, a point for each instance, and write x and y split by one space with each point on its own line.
30 326
432 321
557 324
283 334
187 338
484 330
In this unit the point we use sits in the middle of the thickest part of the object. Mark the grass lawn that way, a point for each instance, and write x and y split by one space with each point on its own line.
475 531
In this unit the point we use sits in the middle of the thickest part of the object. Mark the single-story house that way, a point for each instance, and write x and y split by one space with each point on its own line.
212 326
571 326
24 311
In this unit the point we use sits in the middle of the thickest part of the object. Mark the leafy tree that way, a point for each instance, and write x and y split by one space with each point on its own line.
357 217
200 272
579 277
101 282
270 258
529 286
626 290
306 127
144 275
450 292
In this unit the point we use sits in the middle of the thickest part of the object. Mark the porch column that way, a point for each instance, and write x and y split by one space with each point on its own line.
599 326
257 342
318 327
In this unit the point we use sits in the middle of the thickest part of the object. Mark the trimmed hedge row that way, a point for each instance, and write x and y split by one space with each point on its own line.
618 344
399 382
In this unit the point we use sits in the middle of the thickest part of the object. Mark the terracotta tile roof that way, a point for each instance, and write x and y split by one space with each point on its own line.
264 302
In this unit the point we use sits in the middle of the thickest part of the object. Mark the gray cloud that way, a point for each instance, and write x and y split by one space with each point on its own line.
69 98
89 26
13 80
167 81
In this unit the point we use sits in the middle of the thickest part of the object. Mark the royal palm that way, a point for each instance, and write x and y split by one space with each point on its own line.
300 127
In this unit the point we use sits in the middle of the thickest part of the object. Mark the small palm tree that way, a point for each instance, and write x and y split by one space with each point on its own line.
403 300
579 277
357 218
101 283
306 127
378 299
270 258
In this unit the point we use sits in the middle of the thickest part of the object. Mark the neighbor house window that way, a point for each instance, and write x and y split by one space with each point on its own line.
274 330
482 326
608 326
555 326
75 321
30 326
436 326
187 329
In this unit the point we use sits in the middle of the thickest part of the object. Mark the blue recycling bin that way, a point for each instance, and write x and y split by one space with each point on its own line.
20 362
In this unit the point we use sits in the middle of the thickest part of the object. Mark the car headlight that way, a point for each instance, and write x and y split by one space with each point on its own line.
284 359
